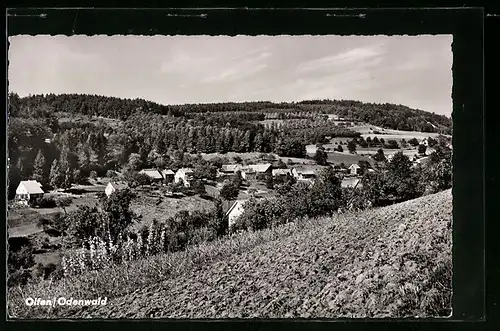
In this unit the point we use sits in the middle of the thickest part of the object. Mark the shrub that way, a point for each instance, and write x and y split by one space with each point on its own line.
44 202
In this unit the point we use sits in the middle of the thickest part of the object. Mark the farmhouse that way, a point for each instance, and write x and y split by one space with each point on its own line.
234 210
281 172
168 175
28 190
306 173
261 168
154 174
228 170
354 169
184 175
115 186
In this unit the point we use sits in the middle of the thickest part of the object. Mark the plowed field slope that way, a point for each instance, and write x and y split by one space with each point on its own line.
388 262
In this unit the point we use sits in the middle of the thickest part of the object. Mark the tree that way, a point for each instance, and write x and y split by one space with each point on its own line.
237 179
404 144
351 146
83 223
340 149
68 178
321 157
118 214
229 192
326 192
135 161
413 141
269 181
56 175
63 202
39 173
392 144
401 183
379 156
218 221
432 142
421 149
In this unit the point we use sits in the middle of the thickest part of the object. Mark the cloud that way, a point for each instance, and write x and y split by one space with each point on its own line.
356 56
244 67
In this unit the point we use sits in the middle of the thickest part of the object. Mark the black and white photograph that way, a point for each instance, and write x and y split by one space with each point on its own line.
229 177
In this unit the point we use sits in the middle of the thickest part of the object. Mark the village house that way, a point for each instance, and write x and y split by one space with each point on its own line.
154 174
354 169
168 175
281 172
114 186
251 171
184 175
265 168
307 173
28 190
228 170
233 210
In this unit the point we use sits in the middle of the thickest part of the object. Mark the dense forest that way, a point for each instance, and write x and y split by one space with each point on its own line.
386 115
60 139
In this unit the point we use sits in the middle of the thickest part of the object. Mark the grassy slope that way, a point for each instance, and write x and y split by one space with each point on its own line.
387 262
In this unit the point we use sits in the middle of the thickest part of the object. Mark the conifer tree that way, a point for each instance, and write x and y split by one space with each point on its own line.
56 177
39 168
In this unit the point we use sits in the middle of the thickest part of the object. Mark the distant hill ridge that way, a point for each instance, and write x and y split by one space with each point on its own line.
386 115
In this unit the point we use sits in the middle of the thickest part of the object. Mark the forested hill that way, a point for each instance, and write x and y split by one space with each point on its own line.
389 116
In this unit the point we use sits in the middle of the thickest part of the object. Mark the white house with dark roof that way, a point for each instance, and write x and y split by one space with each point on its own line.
154 174
114 186
28 190
184 175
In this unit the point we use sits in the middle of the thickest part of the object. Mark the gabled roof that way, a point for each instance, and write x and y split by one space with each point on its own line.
167 172
354 165
153 173
32 186
118 185
230 167
308 169
259 167
233 205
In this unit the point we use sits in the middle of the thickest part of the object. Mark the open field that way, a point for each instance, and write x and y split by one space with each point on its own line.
393 261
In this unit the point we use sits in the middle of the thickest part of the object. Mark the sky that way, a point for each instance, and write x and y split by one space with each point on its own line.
415 71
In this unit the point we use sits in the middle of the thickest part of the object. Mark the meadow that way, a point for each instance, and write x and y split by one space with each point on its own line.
393 261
